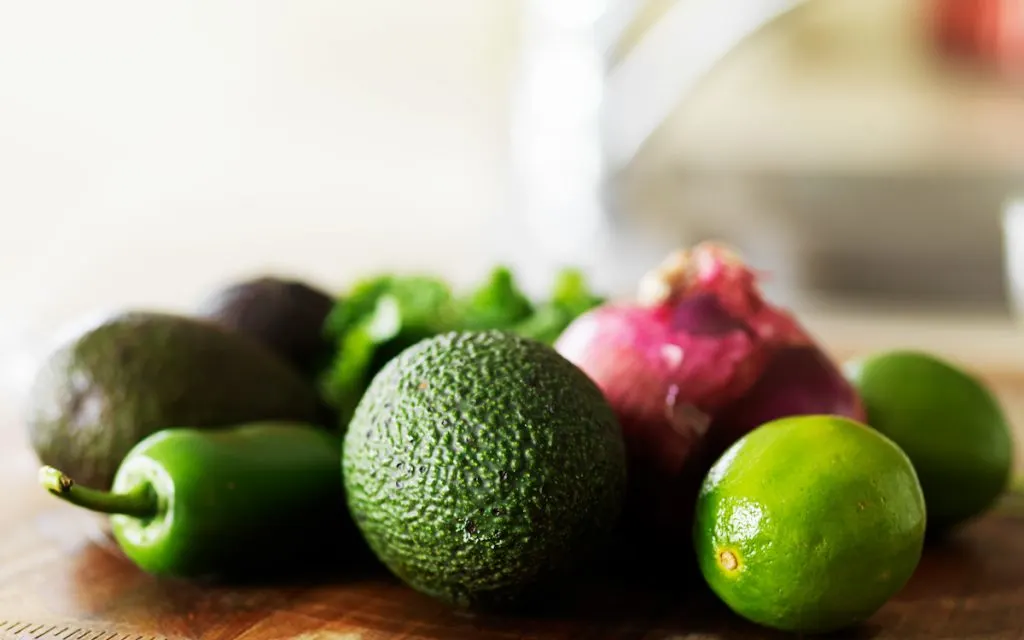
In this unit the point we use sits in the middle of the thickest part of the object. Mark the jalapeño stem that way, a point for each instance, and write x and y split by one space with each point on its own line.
140 502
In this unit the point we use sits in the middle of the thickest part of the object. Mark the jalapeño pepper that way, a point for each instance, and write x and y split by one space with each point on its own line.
242 501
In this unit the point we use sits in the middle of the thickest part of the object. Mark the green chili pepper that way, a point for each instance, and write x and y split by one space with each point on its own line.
235 502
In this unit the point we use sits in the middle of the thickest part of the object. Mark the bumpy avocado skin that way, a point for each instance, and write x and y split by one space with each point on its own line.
284 314
136 372
481 466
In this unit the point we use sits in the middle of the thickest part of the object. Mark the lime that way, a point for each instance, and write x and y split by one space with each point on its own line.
949 424
809 524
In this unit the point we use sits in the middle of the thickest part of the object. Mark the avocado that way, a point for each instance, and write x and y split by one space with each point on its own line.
482 467
136 372
286 315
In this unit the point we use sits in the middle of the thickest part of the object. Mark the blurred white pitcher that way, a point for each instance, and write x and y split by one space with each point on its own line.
1013 253
598 78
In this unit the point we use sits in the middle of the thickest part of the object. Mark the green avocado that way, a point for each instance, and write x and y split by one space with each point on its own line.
137 372
482 467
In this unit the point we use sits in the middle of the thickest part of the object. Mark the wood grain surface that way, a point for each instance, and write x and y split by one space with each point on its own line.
52 573
59 572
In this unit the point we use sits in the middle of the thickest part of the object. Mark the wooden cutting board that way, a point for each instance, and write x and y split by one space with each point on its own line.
59 577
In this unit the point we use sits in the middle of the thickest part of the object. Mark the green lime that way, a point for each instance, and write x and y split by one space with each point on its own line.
949 424
809 524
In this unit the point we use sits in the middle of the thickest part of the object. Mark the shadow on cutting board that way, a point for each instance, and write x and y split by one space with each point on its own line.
970 587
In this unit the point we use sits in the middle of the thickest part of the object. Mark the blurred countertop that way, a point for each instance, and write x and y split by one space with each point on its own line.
993 343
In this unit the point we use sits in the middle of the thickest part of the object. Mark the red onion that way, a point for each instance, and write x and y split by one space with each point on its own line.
696 362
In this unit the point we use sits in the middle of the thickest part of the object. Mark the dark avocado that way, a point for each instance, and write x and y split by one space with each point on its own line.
284 314
137 372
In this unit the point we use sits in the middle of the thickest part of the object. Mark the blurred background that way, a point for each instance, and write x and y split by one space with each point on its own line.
865 153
